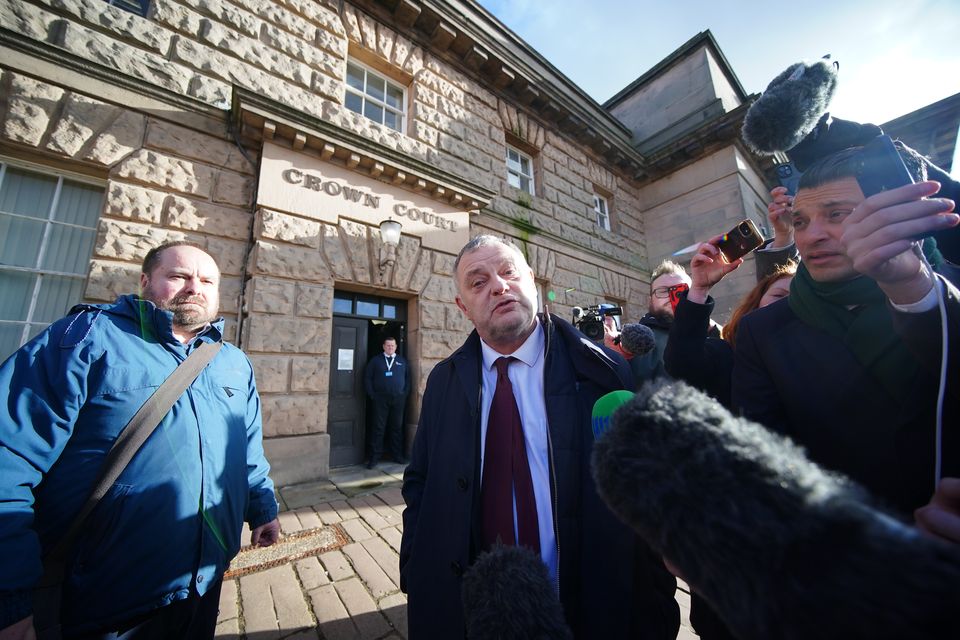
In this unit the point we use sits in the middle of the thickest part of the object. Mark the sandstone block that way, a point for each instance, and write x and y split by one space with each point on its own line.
456 321
335 43
292 262
254 52
439 344
124 24
230 254
407 254
336 253
228 14
109 280
176 174
134 202
313 301
230 294
310 374
107 51
291 415
280 226
176 140
438 121
328 84
424 132
432 315
299 458
130 241
210 90
273 334
304 50
272 373
121 138
200 215
265 295
80 119
174 15
421 272
31 21
233 188
30 106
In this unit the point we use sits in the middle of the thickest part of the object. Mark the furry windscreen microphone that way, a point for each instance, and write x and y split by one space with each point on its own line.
780 547
791 106
637 339
508 595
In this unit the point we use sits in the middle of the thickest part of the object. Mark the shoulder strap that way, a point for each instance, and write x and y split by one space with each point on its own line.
141 425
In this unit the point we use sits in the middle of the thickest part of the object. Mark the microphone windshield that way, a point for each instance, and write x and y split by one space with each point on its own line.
791 107
637 338
604 408
508 595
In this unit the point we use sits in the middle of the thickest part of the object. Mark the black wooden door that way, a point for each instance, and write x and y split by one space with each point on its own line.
346 421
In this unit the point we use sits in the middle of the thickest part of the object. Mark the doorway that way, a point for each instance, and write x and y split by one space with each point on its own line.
361 322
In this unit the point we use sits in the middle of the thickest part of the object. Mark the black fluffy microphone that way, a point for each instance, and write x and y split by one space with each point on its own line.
779 546
637 339
507 595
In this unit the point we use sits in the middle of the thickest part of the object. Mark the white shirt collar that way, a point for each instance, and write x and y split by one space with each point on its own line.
528 353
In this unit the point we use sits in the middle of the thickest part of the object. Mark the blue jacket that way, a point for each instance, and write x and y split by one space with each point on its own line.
172 521
611 584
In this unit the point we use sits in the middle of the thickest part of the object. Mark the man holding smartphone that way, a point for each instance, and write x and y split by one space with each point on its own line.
848 365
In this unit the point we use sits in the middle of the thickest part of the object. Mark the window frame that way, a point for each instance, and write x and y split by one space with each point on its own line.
600 199
48 220
519 173
364 96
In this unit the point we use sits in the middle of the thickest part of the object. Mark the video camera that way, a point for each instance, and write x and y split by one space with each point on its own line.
590 320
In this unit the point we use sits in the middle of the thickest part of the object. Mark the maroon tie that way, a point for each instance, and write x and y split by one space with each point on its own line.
506 473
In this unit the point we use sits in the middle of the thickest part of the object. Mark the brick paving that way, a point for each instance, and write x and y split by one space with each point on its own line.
352 593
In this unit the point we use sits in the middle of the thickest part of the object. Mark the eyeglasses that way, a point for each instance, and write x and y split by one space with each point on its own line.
664 292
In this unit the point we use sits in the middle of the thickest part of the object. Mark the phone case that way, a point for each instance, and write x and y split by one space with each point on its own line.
881 167
741 240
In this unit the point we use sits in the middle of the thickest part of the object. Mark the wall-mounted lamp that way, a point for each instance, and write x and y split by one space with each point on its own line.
390 235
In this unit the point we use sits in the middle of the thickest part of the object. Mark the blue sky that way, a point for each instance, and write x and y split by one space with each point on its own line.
894 57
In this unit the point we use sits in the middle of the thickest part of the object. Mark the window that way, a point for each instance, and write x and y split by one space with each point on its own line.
138 7
519 170
375 97
602 208
47 230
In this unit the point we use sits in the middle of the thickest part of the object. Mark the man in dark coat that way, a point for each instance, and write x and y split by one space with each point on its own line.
387 381
849 364
609 583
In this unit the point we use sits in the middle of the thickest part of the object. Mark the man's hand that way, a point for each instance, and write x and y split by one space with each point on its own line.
879 233
941 517
266 534
707 268
22 630
609 334
778 213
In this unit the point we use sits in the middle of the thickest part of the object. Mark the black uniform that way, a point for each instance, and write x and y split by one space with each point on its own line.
387 381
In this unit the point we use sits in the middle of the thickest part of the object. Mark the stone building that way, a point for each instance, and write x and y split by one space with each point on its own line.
281 134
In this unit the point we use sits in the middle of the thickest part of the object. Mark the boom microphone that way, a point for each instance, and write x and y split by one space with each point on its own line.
791 107
780 547
637 339
508 595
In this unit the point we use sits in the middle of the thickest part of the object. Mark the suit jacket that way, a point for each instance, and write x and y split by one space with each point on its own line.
804 383
611 584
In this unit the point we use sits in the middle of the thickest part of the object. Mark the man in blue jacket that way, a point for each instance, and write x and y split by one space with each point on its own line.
150 557
502 453
387 382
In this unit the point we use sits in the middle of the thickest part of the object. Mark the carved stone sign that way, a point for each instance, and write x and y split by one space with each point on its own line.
304 185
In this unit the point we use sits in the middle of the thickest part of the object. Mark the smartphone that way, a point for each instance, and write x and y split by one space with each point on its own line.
739 241
880 167
675 292
788 176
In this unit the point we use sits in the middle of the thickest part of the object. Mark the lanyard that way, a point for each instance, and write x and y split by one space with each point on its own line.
389 361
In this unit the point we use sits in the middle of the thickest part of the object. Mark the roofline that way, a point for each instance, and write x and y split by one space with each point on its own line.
704 37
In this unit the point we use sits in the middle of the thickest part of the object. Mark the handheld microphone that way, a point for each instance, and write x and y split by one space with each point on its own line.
604 408
637 338
779 546
508 595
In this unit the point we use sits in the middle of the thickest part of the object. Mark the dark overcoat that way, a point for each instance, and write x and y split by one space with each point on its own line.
611 585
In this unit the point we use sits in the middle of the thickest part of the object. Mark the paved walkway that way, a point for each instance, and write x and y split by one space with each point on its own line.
348 593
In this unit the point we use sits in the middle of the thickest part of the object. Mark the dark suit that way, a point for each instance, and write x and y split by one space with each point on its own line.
804 383
387 386
611 585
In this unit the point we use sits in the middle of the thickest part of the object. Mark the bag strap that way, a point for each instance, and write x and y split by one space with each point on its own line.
141 425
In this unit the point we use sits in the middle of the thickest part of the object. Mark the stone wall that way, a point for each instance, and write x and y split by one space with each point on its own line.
702 200
173 171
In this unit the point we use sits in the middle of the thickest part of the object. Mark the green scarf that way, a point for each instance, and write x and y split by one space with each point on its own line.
867 329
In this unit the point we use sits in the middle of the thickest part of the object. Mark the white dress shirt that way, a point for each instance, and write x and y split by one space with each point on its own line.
526 377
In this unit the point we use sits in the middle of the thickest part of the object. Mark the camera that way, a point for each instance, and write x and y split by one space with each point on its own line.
739 241
589 320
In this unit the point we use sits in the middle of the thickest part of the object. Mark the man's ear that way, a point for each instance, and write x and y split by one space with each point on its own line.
462 308
143 281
